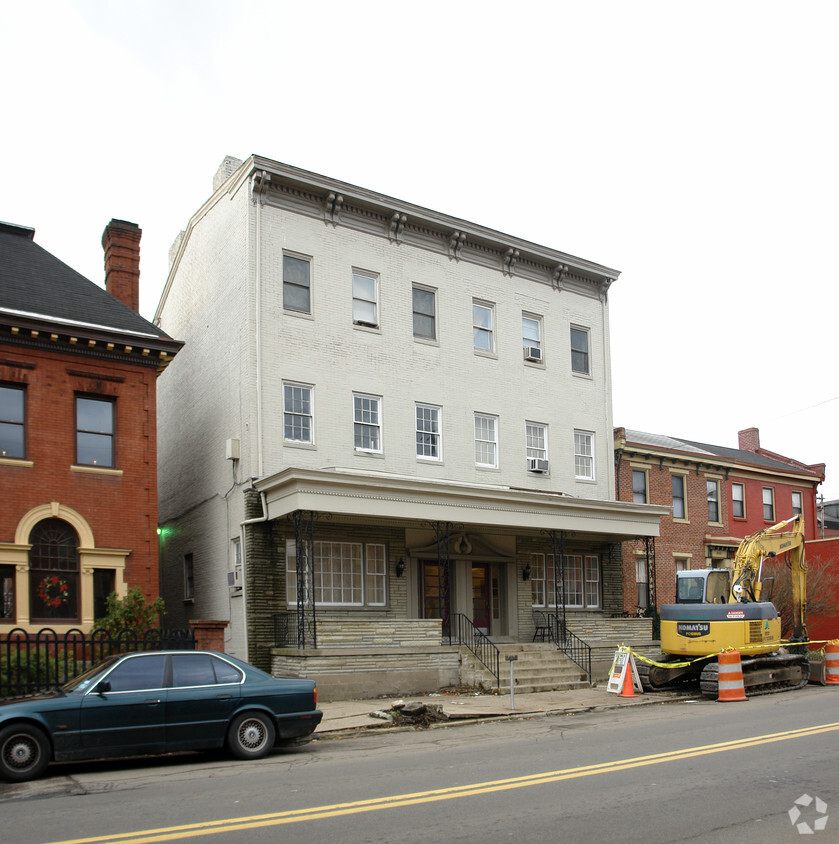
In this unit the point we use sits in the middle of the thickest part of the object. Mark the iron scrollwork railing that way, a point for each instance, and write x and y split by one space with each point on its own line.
463 632
575 648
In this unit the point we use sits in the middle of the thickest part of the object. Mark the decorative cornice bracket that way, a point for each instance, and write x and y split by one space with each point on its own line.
397 227
332 206
511 256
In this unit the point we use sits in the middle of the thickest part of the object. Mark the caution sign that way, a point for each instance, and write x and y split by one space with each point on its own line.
623 662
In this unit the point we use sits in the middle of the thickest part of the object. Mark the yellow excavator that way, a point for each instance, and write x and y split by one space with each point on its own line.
732 607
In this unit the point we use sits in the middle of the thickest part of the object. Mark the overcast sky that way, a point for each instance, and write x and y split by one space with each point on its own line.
693 146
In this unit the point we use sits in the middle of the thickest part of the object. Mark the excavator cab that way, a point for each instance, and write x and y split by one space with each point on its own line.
703 586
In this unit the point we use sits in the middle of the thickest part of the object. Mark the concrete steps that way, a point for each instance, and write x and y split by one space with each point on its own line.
606 635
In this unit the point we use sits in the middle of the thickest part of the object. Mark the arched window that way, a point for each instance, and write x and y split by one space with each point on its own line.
53 571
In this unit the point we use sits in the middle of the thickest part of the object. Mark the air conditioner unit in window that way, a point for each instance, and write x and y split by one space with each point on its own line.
234 578
533 353
536 464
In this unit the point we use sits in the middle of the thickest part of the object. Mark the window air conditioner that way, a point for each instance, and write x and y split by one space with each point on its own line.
234 578
533 353
536 464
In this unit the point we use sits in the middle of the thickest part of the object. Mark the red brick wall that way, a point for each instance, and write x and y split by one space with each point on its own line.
121 511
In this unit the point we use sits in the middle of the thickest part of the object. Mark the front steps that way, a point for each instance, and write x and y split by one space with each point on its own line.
606 635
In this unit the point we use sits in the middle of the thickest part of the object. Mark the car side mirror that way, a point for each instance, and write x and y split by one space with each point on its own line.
102 687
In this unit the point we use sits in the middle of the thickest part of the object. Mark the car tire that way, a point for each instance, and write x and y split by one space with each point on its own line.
251 735
24 752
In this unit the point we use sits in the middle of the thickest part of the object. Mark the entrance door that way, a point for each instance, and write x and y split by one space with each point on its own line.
481 605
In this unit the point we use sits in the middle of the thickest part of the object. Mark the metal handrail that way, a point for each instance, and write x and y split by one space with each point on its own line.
575 648
462 631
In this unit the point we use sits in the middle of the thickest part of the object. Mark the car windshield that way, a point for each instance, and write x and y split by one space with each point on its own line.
82 680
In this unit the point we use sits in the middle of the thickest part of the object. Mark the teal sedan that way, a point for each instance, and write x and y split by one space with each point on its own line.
156 702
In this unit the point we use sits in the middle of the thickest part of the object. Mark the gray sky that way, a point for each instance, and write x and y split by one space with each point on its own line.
691 146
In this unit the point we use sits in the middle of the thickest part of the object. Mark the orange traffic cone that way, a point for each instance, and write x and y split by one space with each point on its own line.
628 685
831 663
730 678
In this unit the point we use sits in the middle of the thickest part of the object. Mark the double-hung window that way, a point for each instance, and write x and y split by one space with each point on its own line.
483 326
428 432
679 507
712 491
584 455
797 504
12 421
94 431
768 504
298 413
297 284
580 363
531 337
367 423
365 299
486 441
536 441
738 501
639 486
425 313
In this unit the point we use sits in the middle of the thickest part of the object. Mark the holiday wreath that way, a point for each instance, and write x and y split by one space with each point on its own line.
53 591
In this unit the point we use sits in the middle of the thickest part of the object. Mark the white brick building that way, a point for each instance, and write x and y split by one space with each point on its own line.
422 402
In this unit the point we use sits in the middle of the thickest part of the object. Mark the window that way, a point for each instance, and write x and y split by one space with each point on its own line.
428 432
202 670
713 493
678 484
298 422
94 431
579 351
738 501
189 578
536 439
639 486
367 419
365 299
7 593
236 561
584 455
54 571
482 327
682 564
768 504
797 504
581 575
592 585
12 423
375 578
531 337
642 584
138 673
486 441
425 313
104 584
297 285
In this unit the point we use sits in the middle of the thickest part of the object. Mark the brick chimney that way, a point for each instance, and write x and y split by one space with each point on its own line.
749 440
121 242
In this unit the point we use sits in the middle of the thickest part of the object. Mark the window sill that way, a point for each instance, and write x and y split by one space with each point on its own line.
299 444
96 470
17 461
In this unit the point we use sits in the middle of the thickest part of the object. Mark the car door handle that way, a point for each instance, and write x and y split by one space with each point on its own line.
152 701
223 697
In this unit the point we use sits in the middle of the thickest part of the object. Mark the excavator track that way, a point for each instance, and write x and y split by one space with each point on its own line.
659 678
762 675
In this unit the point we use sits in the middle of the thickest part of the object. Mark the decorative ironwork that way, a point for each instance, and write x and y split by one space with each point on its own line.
442 535
558 547
575 648
462 631
652 599
304 558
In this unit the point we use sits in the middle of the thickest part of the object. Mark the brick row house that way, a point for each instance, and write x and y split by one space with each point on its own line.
78 455
716 497
385 422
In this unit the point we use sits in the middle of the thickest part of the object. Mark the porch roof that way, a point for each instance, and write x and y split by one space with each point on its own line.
383 496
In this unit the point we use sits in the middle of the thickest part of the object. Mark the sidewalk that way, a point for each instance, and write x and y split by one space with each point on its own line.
354 715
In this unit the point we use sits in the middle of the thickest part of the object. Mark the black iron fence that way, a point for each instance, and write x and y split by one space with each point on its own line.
463 632
575 648
37 662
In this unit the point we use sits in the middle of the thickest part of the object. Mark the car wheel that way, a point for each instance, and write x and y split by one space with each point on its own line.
251 735
24 752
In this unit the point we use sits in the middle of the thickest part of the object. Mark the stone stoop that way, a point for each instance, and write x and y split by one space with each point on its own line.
540 667
606 635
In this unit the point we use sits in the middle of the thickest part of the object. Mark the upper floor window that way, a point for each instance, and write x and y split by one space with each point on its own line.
768 504
94 431
365 299
531 337
639 486
425 313
367 423
797 504
712 489
428 432
682 564
584 455
678 484
536 439
580 351
486 441
298 418
483 322
738 501
12 421
297 284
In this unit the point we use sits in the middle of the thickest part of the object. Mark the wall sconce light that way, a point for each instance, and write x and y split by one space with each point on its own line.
525 572
400 567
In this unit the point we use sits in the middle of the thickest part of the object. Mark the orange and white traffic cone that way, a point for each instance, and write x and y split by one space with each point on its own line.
831 663
730 677
628 685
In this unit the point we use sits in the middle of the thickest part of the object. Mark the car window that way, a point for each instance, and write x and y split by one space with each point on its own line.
192 670
138 673
225 672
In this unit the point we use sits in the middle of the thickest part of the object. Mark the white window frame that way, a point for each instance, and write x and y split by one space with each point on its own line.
576 353
797 510
432 316
428 423
536 440
584 455
486 440
293 410
481 330
682 563
236 557
364 304
363 420
308 261
711 484
531 332
735 500
642 583
684 497
768 501
644 496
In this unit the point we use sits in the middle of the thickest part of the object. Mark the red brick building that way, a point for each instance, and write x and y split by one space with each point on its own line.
78 440
717 496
